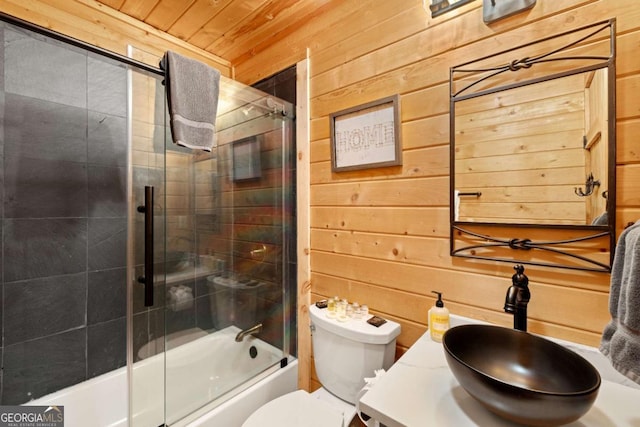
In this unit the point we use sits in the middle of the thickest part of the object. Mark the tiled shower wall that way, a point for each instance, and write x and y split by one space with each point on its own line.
63 143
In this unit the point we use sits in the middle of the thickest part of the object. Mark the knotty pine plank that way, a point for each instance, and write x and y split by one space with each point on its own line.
346 17
400 192
424 221
264 27
430 161
138 9
197 16
571 307
627 149
225 20
167 12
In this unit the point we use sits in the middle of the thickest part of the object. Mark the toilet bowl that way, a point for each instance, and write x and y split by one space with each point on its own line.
299 408
345 353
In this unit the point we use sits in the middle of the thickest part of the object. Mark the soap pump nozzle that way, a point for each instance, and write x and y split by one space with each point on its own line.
439 302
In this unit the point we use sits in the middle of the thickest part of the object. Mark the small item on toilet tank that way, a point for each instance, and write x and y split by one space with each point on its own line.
341 310
376 321
331 307
364 310
438 318
356 310
321 304
350 310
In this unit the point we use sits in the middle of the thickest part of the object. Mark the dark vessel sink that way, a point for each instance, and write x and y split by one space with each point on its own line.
520 376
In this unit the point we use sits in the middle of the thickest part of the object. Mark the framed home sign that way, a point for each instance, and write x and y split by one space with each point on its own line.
366 136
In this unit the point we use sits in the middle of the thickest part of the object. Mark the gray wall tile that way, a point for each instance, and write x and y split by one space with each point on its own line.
107 192
40 129
63 207
36 188
40 307
106 347
107 143
107 87
49 71
2 27
2 139
107 295
44 247
2 114
1 374
35 368
107 243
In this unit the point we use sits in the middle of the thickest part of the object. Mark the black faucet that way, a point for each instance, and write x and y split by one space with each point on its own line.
518 297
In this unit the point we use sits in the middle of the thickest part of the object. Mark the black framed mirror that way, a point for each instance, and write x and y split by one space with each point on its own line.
533 152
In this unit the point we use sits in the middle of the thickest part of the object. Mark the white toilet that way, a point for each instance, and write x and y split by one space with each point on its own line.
344 353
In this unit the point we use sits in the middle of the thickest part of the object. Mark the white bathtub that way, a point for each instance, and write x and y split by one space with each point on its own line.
196 372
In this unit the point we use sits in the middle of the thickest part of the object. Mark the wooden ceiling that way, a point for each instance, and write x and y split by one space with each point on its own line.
232 29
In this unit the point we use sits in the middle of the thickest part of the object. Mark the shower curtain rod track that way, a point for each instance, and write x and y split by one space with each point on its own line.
78 43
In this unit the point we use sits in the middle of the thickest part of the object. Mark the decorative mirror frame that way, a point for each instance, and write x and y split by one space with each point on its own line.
577 247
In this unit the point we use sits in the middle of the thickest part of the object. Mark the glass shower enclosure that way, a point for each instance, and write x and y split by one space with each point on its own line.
219 248
96 200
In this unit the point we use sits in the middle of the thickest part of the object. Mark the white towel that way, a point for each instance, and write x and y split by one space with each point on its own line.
192 93
621 337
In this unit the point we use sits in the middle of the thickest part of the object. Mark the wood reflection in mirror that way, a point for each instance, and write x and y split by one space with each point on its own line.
529 149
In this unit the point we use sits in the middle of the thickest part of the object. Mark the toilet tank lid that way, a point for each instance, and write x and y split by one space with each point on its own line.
355 329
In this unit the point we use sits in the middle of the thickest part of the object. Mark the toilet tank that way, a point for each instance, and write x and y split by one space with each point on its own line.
345 353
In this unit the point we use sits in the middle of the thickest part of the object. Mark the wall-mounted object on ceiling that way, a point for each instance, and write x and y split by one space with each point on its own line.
366 136
492 10
438 7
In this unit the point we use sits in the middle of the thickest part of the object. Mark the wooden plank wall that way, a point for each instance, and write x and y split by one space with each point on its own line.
381 236
101 26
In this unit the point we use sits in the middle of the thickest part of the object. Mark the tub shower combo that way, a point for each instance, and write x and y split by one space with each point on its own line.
143 284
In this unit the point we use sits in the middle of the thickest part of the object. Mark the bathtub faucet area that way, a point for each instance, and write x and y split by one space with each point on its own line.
251 331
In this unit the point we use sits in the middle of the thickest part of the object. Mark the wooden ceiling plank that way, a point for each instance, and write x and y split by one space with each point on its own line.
335 13
167 12
114 4
200 12
274 16
289 22
132 30
236 12
138 9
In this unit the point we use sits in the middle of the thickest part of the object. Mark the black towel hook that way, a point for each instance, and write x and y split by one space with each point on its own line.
589 186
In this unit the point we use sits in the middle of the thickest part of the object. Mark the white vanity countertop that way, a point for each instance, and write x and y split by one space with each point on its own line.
420 390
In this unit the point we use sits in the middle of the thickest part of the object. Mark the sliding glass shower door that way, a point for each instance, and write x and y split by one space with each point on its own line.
146 248
219 315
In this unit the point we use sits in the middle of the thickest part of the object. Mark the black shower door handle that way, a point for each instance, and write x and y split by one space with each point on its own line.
147 279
